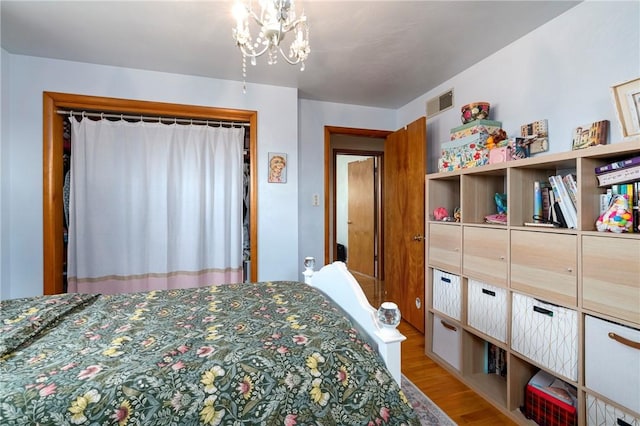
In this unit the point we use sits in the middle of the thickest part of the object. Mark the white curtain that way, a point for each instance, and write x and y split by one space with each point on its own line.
154 206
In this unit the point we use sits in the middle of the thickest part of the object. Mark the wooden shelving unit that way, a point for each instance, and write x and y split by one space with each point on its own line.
582 272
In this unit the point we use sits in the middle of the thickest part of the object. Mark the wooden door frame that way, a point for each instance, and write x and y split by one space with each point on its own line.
52 168
329 215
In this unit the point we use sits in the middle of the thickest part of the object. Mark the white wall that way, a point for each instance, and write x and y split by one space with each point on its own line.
562 71
4 173
22 150
314 116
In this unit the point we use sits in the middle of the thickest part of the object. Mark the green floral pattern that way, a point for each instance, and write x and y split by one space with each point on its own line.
273 353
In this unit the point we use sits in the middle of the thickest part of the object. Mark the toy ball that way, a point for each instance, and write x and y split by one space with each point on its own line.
440 213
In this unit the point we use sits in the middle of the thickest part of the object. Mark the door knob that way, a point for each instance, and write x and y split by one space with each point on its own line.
418 237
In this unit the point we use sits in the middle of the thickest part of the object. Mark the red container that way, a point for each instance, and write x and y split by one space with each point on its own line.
546 410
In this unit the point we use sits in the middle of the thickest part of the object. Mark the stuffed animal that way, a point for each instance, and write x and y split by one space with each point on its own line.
440 213
617 218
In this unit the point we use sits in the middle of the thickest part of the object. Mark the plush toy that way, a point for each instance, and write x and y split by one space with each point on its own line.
501 202
495 139
440 213
617 218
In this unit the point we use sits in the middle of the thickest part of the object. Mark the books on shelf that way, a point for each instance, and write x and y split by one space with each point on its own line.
627 174
561 195
618 165
622 171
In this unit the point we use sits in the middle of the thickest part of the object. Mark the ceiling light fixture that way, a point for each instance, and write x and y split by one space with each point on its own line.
275 19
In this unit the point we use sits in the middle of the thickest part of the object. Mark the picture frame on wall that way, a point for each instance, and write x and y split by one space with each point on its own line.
277 167
626 97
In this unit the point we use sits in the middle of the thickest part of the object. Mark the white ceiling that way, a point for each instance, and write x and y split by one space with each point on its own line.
373 53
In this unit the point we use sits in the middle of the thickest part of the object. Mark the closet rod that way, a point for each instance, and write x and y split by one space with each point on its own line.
149 118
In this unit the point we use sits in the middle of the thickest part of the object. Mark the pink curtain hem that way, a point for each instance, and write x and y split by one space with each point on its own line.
115 285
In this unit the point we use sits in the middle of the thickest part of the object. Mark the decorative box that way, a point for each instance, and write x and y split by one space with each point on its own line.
545 333
549 401
474 127
447 341
464 153
610 361
487 309
500 155
601 413
447 293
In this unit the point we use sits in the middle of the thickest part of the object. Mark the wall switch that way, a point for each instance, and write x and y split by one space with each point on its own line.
315 201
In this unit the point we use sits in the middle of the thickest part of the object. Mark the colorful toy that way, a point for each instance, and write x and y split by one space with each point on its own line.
440 213
617 218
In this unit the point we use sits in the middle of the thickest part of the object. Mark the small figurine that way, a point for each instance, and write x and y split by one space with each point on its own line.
457 214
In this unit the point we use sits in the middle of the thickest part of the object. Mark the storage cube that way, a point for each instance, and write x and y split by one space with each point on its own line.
475 127
446 293
487 309
599 413
612 364
546 334
447 341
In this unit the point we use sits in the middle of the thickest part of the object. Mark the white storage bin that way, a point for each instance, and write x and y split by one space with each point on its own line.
612 364
446 293
546 333
599 413
487 309
447 341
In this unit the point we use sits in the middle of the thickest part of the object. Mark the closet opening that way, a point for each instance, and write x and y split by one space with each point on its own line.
58 106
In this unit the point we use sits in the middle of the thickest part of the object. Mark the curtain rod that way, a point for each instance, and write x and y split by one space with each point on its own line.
149 118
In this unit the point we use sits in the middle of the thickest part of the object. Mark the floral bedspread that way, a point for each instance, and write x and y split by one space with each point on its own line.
272 353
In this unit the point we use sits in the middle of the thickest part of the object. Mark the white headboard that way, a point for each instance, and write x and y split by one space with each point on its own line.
338 283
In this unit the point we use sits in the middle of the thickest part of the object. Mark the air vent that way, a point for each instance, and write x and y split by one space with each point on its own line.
439 103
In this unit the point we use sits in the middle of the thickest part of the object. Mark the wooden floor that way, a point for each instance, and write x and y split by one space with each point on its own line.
464 406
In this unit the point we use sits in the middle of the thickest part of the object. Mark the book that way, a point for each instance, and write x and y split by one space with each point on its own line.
627 174
562 197
572 188
546 202
537 201
618 165
559 216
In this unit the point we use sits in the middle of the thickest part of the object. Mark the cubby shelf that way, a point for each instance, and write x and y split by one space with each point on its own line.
577 273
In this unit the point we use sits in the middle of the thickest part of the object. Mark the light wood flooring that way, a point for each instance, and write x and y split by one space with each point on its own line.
464 406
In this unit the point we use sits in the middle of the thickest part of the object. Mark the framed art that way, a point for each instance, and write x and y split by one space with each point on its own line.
277 167
591 134
627 101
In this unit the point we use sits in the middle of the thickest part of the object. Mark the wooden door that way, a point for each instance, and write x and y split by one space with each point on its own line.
404 221
361 216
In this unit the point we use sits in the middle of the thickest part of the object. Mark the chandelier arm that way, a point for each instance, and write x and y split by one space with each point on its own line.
286 58
255 17
294 24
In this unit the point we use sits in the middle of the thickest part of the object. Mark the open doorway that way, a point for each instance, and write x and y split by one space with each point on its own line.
360 243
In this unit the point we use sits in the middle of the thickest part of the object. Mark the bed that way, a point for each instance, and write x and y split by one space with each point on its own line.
255 353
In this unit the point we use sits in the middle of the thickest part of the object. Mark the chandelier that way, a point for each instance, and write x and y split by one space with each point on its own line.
275 19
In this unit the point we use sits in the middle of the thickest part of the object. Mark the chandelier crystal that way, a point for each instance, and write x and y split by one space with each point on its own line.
275 19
